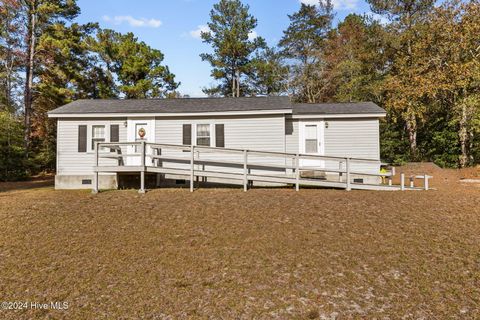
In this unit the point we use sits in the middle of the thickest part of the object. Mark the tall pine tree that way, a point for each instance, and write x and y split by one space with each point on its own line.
231 35
37 16
138 68
303 43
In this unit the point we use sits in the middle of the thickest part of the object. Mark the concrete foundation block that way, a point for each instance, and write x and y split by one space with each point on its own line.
63 182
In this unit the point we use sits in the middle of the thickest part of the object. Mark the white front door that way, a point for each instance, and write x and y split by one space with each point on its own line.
139 130
312 142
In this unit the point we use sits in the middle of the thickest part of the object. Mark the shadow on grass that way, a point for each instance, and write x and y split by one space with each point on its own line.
34 183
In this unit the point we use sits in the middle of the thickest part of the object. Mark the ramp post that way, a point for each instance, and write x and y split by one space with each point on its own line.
297 172
402 181
95 174
245 170
192 161
390 177
340 168
142 172
425 182
142 182
348 174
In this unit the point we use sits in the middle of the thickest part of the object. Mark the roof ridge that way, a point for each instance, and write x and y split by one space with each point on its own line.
335 102
182 98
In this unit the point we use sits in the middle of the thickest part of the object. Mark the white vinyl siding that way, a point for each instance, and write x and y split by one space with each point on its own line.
252 132
343 137
291 135
266 133
69 160
353 137
356 138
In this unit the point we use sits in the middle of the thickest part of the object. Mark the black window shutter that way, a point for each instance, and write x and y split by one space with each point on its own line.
82 138
220 135
187 134
114 134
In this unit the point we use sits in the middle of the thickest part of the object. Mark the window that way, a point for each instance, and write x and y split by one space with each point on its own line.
203 135
311 140
98 135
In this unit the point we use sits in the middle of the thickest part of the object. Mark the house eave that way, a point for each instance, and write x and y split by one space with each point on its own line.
335 116
164 114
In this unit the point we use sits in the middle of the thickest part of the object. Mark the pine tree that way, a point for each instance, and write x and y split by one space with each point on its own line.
230 34
268 75
303 43
137 67
10 58
37 15
65 75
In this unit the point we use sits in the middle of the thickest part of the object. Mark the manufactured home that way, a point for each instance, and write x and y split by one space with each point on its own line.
173 140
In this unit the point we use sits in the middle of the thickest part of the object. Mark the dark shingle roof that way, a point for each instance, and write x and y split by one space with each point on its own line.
337 108
187 105
199 105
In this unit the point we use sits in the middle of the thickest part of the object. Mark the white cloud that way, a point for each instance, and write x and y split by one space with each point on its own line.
337 4
309 2
378 17
134 22
197 33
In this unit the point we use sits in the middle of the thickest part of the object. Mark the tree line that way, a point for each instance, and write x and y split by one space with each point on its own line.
421 63
47 60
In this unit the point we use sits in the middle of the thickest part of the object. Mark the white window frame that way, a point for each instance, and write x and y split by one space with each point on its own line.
308 139
212 133
92 139
90 126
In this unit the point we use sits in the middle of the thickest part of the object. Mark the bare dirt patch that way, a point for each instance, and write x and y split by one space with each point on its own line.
223 253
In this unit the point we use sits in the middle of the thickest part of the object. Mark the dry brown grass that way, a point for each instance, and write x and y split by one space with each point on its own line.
222 253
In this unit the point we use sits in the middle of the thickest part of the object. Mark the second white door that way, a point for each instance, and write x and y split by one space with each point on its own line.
312 142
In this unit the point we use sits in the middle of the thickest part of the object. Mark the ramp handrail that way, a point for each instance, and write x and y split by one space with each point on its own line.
233 150
292 163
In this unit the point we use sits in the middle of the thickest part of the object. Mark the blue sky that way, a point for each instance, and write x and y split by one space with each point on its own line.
173 27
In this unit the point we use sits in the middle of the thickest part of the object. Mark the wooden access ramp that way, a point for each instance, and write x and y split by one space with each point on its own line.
240 166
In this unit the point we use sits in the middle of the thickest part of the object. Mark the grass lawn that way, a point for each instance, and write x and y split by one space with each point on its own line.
223 253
